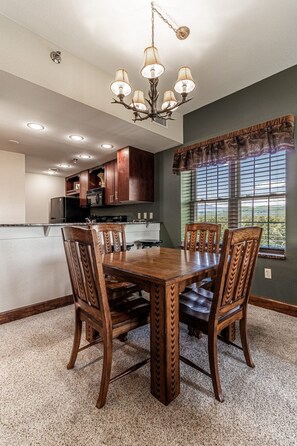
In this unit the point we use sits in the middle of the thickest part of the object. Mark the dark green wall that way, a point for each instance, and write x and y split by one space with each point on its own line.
268 99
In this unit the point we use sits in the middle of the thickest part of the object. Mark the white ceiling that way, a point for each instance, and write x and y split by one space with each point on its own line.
22 102
232 44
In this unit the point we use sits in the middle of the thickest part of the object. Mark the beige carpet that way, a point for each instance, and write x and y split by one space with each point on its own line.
42 403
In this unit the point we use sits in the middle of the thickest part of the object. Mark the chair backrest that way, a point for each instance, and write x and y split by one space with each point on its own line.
111 237
85 269
202 237
235 271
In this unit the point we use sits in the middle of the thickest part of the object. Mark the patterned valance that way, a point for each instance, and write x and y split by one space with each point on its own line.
268 137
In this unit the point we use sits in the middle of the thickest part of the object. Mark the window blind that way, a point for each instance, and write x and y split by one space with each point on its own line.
246 192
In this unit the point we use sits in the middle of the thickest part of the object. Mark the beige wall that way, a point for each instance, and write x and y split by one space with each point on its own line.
39 190
12 187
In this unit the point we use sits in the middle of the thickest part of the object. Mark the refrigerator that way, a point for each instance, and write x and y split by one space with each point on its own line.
67 210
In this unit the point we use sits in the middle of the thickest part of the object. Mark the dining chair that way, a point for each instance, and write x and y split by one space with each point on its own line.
202 237
109 318
112 238
212 312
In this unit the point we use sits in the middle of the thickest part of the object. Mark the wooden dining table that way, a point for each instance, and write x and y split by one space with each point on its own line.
163 273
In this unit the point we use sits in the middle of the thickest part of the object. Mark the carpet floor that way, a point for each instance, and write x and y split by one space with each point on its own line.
43 403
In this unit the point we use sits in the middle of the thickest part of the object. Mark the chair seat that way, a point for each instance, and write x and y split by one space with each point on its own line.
114 284
206 283
128 308
194 307
196 304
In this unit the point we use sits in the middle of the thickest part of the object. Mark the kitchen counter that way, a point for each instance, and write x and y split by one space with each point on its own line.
33 266
20 225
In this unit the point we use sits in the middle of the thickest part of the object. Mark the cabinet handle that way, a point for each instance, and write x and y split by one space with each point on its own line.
111 198
116 196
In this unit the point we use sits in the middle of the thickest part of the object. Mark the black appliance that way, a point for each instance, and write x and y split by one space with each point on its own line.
95 197
67 210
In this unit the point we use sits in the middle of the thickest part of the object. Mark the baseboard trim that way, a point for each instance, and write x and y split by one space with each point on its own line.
275 305
30 310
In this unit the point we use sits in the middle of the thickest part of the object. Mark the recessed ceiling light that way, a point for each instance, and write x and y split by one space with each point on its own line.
34 126
76 137
85 157
107 146
65 166
13 141
52 171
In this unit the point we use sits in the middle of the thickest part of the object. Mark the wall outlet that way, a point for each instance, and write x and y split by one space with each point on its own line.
151 215
139 215
267 273
145 215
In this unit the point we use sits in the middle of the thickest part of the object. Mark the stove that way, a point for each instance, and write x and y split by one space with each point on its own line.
109 218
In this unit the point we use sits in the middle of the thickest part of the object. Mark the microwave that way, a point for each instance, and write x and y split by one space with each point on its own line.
95 197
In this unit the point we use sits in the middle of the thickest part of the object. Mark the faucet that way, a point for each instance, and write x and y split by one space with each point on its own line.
90 221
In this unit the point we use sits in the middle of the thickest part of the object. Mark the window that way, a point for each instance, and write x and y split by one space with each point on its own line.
247 192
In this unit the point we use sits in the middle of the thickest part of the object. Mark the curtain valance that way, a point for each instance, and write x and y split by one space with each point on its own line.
268 137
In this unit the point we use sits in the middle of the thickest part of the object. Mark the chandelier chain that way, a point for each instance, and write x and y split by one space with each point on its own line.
153 24
154 9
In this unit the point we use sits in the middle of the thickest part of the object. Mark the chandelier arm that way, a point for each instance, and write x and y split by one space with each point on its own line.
134 109
169 109
141 118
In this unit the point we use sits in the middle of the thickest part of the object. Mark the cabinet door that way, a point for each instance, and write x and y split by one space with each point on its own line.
109 177
84 186
123 174
136 175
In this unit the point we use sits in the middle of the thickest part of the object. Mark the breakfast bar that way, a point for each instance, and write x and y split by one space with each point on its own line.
33 267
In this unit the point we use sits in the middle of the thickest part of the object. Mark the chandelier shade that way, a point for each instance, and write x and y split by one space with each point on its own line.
121 84
138 100
152 64
169 100
185 82
148 107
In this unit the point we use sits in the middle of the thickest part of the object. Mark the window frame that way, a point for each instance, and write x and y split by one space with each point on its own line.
234 199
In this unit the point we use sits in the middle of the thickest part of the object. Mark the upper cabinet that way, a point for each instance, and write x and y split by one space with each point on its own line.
77 185
111 183
135 172
127 179
96 177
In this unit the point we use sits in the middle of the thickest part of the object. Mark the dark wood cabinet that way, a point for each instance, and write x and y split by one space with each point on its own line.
96 177
128 179
135 175
111 183
77 185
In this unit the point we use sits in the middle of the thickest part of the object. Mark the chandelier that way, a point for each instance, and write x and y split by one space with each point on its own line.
142 107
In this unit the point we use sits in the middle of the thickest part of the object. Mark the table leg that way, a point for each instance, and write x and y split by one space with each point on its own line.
165 374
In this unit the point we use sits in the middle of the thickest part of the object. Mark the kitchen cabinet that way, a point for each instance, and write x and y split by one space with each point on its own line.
135 175
111 183
77 185
96 177
128 179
